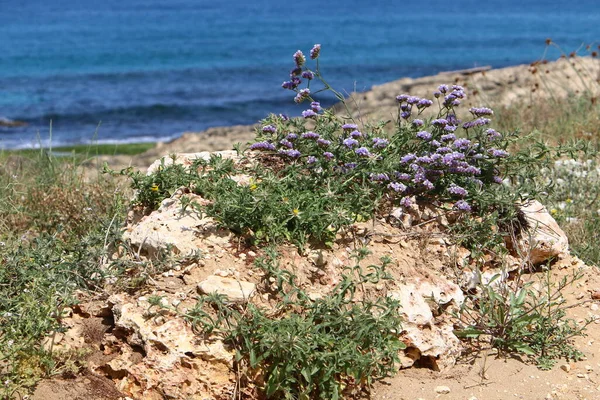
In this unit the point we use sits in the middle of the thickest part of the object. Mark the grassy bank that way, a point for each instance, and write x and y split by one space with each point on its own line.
84 150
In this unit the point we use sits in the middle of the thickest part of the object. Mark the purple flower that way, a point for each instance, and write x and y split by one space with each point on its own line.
435 143
449 158
328 155
286 143
289 85
290 153
413 100
263 146
448 137
450 128
452 120
402 98
323 142
302 95
350 142
406 202
424 103
284 117
458 88
435 157
497 179
299 58
397 187
424 160
403 176
405 115
296 72
424 135
437 94
492 134
291 136
380 143
481 111
456 103
406 107
457 190
461 143
309 114
476 122
311 160
310 135
498 153
349 127
315 51
269 129
417 122
407 158
471 169
363 152
350 165
462 206
308 75
316 106
381 177
443 88
427 184
439 122
442 150
355 134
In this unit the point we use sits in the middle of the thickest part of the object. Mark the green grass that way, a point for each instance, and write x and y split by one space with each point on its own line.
129 149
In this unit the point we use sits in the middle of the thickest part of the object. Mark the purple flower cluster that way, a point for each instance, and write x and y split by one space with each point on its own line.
269 129
363 152
481 111
349 127
316 106
302 95
462 206
309 114
299 58
315 51
457 190
380 177
310 135
397 187
355 134
323 142
308 75
350 142
407 102
380 143
476 122
263 146
290 153
424 135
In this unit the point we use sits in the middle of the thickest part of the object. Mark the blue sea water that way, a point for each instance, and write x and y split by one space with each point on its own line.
146 70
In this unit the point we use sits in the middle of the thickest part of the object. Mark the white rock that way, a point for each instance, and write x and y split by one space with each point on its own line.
442 389
414 308
543 239
236 291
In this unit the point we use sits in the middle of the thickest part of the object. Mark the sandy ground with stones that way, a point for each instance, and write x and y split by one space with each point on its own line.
104 324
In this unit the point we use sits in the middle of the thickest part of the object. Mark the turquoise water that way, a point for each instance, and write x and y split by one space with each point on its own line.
132 70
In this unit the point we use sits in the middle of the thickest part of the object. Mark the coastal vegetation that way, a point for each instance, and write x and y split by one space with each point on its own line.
309 179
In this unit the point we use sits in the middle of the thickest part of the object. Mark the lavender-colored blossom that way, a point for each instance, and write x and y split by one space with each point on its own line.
290 153
363 152
397 187
471 169
316 106
439 122
435 157
349 127
310 135
291 136
462 206
437 94
380 177
311 160
308 75
424 103
452 120
476 122
456 103
299 58
355 134
459 94
315 51
424 135
458 88
350 142
481 111
492 134
448 137
498 153
286 143
309 114
443 88
403 176
461 143
328 155
450 128
269 129
443 149
497 179
427 184
284 117
302 95
450 158
405 107
407 158
263 146
350 165
295 72
405 115
416 168
289 85
418 122
380 143
413 100
476 181
424 160
435 143
323 142
406 202
402 98
457 190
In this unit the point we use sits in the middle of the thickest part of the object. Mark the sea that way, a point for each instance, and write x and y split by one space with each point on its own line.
119 71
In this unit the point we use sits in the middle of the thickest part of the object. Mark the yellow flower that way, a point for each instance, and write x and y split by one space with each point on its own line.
253 187
154 188
295 211
554 211
569 201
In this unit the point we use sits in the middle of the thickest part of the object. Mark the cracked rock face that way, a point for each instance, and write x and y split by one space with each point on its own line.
544 239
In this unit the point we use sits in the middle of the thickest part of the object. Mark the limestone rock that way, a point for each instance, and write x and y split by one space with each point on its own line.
187 159
543 239
171 226
236 291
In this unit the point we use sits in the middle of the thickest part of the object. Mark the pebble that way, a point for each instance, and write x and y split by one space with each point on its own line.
442 389
594 307
565 367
